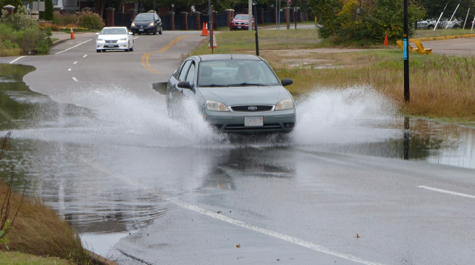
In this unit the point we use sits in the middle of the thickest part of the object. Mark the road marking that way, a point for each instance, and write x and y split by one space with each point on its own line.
72 47
69 69
146 56
230 220
448 192
147 66
17 59
75 62
85 56
75 79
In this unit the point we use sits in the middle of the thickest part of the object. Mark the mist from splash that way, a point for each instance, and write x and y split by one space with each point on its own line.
124 118
339 116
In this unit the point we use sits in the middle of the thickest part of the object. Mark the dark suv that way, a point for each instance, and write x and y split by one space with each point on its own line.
146 23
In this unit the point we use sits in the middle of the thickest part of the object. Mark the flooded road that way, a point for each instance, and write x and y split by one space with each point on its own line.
114 168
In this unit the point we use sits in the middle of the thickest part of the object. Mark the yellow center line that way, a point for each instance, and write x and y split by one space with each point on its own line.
146 56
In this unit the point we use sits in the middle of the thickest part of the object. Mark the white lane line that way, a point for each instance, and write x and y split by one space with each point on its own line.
69 69
17 59
448 192
72 47
229 220
75 79
75 62
85 56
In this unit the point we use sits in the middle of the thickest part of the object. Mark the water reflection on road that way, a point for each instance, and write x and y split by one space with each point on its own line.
80 160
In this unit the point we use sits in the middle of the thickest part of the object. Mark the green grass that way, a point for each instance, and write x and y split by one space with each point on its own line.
18 258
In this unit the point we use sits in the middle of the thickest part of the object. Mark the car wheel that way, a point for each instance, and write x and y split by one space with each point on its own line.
140 33
155 31
126 50
160 32
98 50
131 49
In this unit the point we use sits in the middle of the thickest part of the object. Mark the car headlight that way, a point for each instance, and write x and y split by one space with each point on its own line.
99 39
216 106
285 104
151 24
133 24
123 39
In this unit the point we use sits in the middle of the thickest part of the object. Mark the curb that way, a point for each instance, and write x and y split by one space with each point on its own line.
99 260
444 37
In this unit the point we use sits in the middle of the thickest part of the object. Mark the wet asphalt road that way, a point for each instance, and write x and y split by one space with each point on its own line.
216 200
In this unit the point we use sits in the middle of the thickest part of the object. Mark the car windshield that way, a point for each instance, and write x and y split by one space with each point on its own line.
241 17
144 17
113 31
228 73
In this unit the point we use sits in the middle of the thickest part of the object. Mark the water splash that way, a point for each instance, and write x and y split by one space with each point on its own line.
121 117
353 114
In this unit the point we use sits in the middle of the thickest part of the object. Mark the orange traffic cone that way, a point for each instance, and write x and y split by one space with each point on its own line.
205 30
72 34
386 43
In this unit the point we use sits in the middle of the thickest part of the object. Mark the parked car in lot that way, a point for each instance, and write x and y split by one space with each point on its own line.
146 23
235 93
426 24
240 21
114 38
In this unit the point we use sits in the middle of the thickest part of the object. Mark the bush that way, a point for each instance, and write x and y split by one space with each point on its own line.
66 19
90 20
350 21
19 20
34 40
20 29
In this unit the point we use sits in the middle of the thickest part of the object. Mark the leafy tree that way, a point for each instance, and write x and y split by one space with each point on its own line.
363 20
16 3
435 7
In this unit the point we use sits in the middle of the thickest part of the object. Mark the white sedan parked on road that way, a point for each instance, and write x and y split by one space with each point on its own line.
114 38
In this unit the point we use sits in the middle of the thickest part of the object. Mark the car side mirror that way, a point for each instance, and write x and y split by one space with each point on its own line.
130 33
184 84
287 82
97 34
160 87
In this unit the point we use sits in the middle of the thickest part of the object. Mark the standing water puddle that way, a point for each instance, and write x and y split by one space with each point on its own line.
49 138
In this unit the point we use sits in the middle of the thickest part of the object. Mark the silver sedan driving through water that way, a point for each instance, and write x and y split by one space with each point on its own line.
235 93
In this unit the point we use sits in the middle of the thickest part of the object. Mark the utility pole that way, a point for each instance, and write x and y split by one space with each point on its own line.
406 53
287 11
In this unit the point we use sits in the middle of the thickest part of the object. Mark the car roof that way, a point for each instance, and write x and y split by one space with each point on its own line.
221 57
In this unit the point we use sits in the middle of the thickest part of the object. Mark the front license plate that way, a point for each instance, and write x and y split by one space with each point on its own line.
140 29
239 27
111 45
253 121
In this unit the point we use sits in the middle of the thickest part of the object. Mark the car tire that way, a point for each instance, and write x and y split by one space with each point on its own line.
160 32
140 33
131 49
98 50
155 31
126 50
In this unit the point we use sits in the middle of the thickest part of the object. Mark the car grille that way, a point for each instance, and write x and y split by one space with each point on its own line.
238 127
252 108
111 41
240 23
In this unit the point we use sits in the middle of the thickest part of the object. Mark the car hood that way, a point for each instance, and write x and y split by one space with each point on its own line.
255 95
112 37
143 22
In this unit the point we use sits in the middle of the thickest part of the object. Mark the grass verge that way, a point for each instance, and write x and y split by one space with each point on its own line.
442 87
